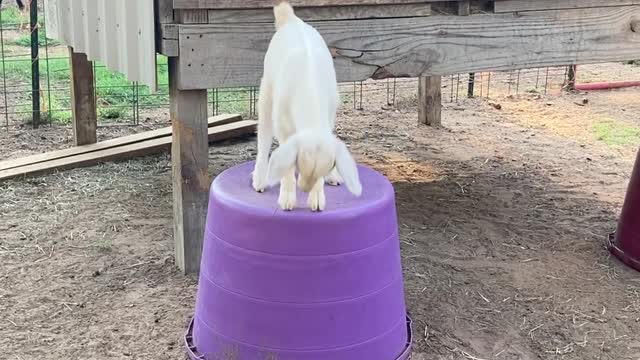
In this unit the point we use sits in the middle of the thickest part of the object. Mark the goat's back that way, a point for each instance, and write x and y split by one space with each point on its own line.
300 67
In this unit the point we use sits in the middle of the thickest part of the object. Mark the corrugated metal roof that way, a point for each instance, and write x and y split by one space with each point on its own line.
118 33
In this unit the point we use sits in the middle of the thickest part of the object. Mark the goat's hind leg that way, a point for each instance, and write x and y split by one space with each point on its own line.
265 137
334 177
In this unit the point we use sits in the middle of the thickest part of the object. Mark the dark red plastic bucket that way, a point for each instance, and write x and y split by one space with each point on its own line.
625 242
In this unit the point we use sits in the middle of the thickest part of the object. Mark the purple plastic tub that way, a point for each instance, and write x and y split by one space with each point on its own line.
300 285
625 243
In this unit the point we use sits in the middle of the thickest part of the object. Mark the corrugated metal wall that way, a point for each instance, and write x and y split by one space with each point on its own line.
118 33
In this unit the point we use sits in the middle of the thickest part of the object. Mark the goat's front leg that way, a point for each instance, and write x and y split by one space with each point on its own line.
265 137
317 200
287 197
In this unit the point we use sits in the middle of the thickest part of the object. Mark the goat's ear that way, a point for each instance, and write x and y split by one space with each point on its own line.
347 168
282 160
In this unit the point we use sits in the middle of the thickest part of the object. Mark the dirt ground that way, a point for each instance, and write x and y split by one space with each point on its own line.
503 218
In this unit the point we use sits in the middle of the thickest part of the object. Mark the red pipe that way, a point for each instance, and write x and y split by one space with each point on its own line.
606 85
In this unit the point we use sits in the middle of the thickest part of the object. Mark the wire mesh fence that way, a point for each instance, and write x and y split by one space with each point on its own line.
124 103
118 101
457 87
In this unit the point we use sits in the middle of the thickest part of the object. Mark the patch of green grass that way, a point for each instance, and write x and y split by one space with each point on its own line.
231 101
19 69
116 95
163 69
11 15
25 40
632 62
52 109
614 133
59 116
114 112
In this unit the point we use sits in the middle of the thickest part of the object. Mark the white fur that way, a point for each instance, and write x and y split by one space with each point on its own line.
298 103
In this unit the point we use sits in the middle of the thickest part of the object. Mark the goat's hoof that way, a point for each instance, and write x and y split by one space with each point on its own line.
317 201
333 182
333 179
287 200
258 188
257 183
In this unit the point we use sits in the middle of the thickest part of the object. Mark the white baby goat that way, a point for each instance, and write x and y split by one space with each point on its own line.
298 103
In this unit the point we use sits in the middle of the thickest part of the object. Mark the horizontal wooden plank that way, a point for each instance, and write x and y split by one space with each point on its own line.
167 39
125 152
168 48
192 16
230 55
263 4
108 144
505 6
324 13
169 31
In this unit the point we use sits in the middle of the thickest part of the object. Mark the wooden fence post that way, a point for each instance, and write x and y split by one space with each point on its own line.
83 99
430 100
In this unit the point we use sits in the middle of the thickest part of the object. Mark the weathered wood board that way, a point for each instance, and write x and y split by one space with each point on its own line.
167 40
83 99
192 16
129 151
430 100
228 55
541 5
189 163
223 16
108 144
262 4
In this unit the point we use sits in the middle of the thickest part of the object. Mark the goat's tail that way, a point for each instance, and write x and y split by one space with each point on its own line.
283 13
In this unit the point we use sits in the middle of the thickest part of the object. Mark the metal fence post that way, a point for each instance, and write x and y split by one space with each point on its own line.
35 64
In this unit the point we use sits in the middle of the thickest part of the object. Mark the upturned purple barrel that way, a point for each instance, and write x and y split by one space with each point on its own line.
625 244
300 285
